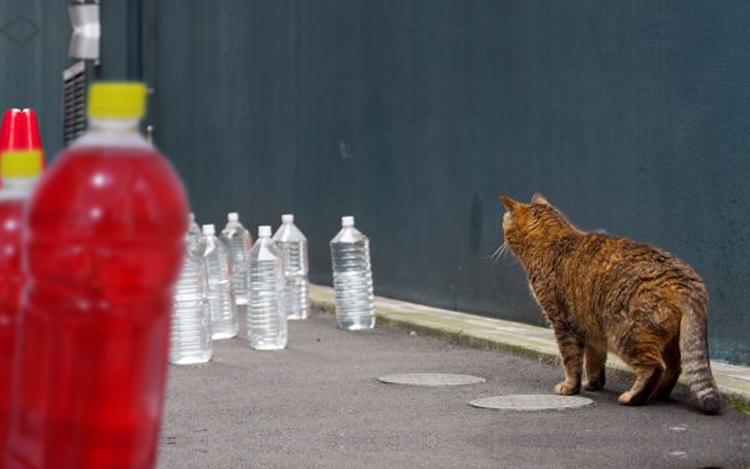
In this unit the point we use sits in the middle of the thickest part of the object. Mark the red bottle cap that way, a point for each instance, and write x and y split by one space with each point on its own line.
33 138
10 132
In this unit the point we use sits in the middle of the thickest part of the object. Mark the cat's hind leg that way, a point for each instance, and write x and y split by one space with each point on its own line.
594 364
671 356
571 350
640 349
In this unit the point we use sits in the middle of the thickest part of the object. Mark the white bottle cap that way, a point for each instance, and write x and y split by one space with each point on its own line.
264 230
209 230
287 218
233 216
192 217
347 221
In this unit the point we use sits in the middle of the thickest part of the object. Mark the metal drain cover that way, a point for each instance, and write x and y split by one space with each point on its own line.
431 379
531 402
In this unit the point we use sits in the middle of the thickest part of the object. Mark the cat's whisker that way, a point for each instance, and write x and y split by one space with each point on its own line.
495 254
491 256
498 254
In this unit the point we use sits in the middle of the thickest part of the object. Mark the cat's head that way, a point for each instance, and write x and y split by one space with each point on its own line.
529 224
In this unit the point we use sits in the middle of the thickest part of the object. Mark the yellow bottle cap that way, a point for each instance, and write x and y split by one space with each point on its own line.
117 100
21 164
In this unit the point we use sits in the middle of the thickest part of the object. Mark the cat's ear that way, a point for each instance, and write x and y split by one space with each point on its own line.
539 199
509 203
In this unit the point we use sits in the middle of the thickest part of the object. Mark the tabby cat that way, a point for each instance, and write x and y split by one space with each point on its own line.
603 293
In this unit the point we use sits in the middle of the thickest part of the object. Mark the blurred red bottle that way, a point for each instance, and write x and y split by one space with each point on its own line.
20 170
103 248
20 131
10 132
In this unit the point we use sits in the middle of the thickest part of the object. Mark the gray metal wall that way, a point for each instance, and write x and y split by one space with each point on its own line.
414 115
34 36
34 40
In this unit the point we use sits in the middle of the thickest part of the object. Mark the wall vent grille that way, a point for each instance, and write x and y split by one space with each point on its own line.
74 102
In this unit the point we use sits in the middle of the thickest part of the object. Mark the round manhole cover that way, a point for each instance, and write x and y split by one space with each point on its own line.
531 402
431 379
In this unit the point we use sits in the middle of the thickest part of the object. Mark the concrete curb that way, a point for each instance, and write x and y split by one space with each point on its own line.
497 334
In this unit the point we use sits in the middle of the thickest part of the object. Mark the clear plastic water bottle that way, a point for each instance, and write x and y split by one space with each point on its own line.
239 241
293 245
194 236
352 277
191 317
266 318
224 319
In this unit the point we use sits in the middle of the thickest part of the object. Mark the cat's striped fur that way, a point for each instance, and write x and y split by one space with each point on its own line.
603 293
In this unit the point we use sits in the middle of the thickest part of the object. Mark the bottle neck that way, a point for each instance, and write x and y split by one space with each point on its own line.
18 187
113 125
113 132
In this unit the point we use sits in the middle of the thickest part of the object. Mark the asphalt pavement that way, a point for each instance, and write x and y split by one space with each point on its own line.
318 404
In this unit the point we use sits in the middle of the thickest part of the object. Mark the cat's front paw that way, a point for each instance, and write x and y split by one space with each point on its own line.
566 389
631 398
593 384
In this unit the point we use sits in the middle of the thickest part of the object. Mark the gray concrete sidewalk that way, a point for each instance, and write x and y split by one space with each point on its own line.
318 404
497 334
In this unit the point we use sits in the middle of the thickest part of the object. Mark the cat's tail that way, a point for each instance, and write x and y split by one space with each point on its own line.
695 362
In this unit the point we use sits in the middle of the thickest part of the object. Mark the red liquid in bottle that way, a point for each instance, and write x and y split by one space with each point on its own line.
11 281
104 246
